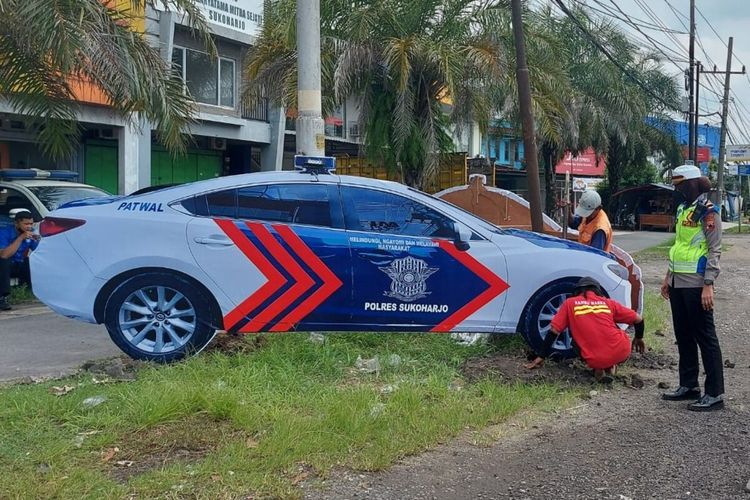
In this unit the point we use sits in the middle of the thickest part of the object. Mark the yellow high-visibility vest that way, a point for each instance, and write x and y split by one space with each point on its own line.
689 244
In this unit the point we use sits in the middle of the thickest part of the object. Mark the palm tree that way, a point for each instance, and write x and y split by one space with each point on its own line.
422 69
607 107
46 46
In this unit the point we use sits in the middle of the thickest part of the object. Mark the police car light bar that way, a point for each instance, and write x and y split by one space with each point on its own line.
35 173
315 164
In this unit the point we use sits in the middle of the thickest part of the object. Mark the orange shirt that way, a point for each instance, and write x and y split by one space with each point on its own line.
591 320
586 230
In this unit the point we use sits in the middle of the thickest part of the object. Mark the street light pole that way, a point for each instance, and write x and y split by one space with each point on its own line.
527 120
309 125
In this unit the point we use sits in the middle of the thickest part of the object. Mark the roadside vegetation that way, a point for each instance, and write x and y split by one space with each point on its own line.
660 251
656 315
21 295
278 411
745 229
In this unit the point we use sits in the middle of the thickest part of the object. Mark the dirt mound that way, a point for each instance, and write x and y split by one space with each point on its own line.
120 368
509 368
235 343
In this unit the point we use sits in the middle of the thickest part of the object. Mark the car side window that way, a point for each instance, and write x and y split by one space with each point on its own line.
381 212
287 203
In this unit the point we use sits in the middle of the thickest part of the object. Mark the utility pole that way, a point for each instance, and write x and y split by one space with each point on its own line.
310 126
724 111
691 76
527 120
696 114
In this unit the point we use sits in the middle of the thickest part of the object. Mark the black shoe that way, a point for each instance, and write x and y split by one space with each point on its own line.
4 304
682 394
708 403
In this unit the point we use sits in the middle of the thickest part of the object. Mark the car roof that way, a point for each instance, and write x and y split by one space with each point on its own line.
182 190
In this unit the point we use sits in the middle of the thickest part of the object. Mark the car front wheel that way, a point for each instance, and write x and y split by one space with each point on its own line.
159 317
538 315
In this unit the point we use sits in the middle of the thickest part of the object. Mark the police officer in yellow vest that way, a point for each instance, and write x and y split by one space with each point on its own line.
592 222
689 286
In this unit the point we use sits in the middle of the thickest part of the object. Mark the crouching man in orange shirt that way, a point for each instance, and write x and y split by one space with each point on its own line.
592 319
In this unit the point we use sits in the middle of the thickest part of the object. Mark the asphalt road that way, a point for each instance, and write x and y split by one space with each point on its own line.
35 342
633 241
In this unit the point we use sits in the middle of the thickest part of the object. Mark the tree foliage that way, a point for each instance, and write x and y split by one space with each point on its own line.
423 69
47 47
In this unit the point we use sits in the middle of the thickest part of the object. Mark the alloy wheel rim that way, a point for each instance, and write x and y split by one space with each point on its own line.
544 322
157 319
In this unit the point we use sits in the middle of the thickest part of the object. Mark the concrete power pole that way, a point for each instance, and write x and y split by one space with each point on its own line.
691 77
724 112
310 126
696 114
527 120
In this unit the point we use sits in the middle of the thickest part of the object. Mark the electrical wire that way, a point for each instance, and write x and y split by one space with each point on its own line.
626 71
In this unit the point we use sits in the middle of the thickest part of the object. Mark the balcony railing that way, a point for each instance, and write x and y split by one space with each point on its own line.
255 109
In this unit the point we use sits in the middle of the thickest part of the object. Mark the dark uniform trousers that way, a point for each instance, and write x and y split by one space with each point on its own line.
694 328
10 269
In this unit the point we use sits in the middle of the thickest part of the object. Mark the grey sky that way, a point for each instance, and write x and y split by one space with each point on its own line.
728 18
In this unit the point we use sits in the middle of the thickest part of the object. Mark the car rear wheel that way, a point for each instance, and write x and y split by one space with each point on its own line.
159 317
538 318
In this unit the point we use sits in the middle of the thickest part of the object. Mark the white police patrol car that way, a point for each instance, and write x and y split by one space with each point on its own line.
40 191
300 251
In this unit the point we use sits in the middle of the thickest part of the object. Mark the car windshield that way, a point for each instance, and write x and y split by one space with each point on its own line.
54 196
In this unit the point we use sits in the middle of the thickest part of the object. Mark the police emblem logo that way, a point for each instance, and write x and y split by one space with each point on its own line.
408 279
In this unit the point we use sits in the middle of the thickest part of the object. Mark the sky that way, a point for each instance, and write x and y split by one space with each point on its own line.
727 18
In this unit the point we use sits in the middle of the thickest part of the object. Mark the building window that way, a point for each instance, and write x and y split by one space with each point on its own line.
209 81
334 124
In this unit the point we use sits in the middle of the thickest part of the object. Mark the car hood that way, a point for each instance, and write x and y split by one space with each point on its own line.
545 241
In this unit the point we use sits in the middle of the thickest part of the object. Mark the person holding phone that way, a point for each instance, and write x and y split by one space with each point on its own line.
16 242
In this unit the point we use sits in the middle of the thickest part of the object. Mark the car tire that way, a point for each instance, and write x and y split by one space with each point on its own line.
159 317
538 316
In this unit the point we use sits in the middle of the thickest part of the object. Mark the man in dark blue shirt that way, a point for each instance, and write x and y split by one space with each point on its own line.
15 244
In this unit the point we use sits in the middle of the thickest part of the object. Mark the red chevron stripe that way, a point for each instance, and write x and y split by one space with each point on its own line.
303 282
331 282
275 279
496 287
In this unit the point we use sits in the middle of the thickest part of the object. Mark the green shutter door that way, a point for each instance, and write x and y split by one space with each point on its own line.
100 165
192 166
208 166
161 168
183 168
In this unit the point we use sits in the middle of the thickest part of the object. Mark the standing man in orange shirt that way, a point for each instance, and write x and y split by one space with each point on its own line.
592 222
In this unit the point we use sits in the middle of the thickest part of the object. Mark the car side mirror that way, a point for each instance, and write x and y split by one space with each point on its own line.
463 235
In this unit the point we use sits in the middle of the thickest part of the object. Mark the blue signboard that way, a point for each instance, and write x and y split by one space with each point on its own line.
743 169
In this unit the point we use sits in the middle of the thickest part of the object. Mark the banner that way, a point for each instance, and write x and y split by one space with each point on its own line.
584 164
245 16
703 153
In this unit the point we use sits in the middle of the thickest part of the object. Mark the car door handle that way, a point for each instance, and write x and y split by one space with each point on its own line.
214 240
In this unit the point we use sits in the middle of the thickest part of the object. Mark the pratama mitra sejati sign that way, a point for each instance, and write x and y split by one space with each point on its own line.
584 164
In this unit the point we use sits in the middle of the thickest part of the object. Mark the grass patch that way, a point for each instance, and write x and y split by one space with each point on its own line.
745 229
658 251
21 294
255 423
657 317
